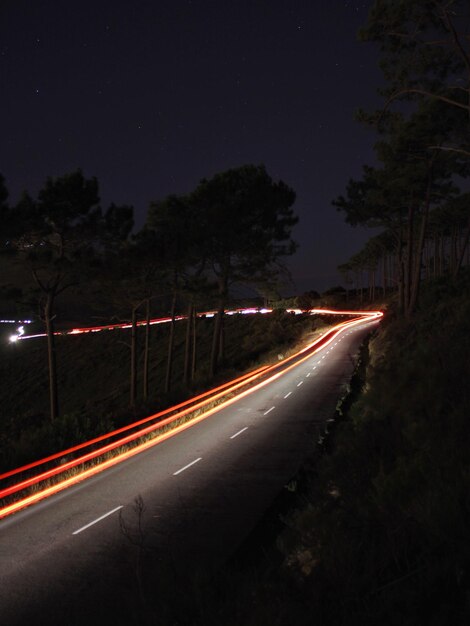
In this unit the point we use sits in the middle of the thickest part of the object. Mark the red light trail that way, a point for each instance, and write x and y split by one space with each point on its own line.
167 418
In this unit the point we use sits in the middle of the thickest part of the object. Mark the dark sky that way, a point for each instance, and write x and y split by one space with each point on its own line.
152 96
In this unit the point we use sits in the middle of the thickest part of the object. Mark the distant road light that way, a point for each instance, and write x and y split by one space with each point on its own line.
19 333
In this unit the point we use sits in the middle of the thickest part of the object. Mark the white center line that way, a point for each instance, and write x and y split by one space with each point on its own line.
239 432
301 383
188 465
269 410
287 395
97 520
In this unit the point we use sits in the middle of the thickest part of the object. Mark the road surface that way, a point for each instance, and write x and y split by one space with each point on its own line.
79 556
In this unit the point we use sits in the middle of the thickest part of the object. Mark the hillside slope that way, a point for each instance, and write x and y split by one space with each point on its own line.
93 378
378 531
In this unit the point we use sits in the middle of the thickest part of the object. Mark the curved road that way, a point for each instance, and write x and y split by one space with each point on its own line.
78 556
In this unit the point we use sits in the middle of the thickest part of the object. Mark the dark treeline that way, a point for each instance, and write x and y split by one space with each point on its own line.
232 229
414 193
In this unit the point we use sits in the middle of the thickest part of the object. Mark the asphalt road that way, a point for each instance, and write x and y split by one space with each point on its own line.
87 553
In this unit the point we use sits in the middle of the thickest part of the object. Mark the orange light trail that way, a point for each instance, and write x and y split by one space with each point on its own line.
188 406
195 403
166 320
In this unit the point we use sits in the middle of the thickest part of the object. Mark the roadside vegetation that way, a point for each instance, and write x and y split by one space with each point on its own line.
94 380
415 192
375 529
232 230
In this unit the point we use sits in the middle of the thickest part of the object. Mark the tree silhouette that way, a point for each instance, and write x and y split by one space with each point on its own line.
425 54
246 219
415 176
56 244
172 220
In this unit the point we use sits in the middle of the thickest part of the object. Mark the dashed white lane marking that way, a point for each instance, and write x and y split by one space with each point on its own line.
269 410
287 395
308 374
186 466
301 383
97 520
314 367
239 432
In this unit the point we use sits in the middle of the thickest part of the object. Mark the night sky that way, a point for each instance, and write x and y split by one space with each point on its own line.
152 96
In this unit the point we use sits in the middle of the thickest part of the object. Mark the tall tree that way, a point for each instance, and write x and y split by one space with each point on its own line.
117 224
415 176
425 54
132 278
59 231
246 219
178 238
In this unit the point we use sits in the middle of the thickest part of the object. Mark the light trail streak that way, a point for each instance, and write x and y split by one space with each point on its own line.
194 403
208 314
63 467
242 381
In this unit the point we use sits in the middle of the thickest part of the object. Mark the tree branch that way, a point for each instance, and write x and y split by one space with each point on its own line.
450 149
456 39
40 284
429 94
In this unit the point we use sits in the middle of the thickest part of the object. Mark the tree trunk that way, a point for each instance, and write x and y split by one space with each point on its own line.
466 238
426 257
193 364
187 346
171 340
146 350
401 275
51 357
360 282
222 337
418 258
384 274
409 258
218 322
133 389
442 256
